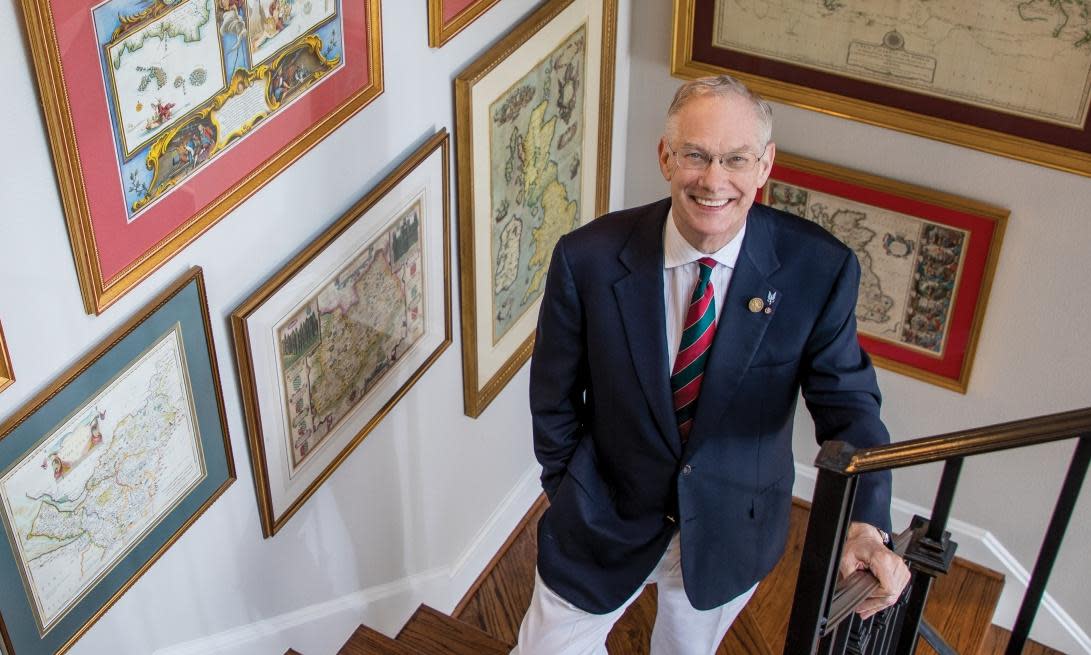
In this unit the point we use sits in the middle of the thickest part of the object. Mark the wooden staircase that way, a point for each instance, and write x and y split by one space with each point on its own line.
428 632
486 622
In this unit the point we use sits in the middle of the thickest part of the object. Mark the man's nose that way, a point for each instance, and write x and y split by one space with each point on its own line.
715 175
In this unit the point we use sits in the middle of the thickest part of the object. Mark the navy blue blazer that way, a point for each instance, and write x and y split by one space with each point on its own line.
617 477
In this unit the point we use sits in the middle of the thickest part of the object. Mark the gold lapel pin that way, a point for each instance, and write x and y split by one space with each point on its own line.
755 305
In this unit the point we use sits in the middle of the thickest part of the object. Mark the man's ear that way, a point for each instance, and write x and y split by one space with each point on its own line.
664 159
765 166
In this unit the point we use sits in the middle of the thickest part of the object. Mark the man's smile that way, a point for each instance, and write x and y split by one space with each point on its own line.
711 202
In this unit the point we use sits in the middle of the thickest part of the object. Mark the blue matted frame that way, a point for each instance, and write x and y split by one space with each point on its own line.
183 304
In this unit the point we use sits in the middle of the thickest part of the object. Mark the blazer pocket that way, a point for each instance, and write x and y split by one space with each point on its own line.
584 471
770 361
774 499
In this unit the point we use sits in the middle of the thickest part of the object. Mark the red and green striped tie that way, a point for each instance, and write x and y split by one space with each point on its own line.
689 366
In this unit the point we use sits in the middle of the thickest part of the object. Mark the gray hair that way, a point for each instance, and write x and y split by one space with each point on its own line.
724 86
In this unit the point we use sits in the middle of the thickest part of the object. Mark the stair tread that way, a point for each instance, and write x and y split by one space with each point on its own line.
961 605
997 640
434 633
367 641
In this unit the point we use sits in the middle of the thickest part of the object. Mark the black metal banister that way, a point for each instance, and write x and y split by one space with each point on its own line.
818 622
963 443
1051 546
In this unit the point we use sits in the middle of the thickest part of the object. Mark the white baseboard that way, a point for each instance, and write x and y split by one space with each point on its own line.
1053 627
324 628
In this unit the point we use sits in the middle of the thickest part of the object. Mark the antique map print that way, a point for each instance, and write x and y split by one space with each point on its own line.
1031 58
909 267
161 71
187 79
89 492
336 347
536 137
275 23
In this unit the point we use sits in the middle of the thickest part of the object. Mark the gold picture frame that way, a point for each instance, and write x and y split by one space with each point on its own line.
541 82
129 213
7 376
444 24
304 413
913 102
927 261
145 406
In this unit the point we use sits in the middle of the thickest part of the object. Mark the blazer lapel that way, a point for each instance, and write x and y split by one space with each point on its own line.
640 301
739 329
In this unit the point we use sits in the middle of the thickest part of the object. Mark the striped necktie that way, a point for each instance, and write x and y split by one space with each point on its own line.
689 365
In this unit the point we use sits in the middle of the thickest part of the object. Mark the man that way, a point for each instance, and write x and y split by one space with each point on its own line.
672 343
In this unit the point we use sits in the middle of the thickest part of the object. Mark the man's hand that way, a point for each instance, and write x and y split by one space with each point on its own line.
865 550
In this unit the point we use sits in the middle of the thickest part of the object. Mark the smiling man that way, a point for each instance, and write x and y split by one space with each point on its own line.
672 344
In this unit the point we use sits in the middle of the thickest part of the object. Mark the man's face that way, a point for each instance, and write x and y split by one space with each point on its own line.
710 205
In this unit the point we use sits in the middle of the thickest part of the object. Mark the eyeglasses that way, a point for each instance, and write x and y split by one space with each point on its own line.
693 159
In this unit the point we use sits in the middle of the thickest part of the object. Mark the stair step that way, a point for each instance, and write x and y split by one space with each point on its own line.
996 641
431 632
961 605
366 641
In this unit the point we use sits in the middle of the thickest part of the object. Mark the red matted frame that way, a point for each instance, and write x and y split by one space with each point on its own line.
948 247
446 18
116 246
899 107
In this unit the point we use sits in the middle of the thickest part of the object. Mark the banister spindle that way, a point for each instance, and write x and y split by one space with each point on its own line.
1051 545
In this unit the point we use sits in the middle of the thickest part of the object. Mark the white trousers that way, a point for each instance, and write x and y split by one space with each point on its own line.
553 626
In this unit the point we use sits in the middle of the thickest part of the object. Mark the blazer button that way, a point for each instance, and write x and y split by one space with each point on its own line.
687 469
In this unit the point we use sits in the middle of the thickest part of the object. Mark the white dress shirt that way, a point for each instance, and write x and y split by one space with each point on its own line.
680 274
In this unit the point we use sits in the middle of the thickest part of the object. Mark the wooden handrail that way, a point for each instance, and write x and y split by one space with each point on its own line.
842 458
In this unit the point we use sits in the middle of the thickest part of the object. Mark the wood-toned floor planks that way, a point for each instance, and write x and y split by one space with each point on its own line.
365 641
430 632
960 605
996 640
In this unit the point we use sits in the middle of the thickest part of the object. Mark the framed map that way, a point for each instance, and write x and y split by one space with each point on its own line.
333 340
926 258
533 122
105 469
1009 77
186 108
446 18
7 377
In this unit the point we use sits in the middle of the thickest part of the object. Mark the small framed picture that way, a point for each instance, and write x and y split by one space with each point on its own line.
912 66
7 377
927 260
338 336
446 18
104 470
164 115
533 120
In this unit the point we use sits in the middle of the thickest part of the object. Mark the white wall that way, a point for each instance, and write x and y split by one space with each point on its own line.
1033 356
422 504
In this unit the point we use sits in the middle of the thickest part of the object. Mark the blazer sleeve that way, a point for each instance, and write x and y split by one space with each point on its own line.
839 388
558 373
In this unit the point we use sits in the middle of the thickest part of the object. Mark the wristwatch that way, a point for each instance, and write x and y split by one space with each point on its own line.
885 536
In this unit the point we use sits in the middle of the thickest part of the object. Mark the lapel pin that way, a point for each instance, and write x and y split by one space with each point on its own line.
755 305
770 298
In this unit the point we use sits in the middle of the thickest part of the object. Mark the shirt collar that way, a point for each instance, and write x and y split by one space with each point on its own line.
678 252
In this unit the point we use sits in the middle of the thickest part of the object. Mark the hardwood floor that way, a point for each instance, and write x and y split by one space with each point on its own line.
996 640
960 605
